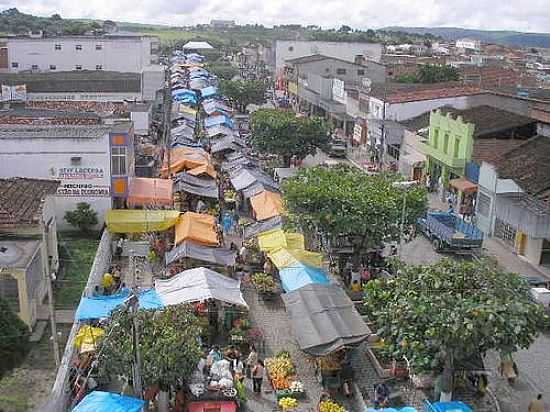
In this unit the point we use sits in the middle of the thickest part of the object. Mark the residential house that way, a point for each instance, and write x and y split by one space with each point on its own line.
514 199
460 140
28 243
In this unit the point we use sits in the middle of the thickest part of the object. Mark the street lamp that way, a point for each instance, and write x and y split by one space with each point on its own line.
405 186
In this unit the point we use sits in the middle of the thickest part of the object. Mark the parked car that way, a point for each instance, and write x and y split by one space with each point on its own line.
537 281
337 148
541 296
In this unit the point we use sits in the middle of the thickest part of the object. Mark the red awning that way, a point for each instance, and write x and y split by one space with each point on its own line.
213 406
145 191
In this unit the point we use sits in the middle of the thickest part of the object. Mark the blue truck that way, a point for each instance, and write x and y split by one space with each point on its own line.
449 232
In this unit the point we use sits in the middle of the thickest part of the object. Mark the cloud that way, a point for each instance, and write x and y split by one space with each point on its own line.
524 15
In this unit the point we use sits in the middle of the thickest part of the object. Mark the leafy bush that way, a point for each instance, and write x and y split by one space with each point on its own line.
14 338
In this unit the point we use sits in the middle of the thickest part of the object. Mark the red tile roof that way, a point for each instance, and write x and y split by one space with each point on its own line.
403 96
21 200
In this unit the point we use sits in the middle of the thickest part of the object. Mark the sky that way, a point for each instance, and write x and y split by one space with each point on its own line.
519 15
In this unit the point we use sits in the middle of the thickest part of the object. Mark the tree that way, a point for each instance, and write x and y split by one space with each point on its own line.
56 17
435 74
345 29
14 338
440 315
223 71
286 135
168 342
244 92
346 202
83 217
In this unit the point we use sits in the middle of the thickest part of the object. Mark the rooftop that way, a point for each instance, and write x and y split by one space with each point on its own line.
401 92
95 81
529 166
488 119
319 57
17 254
60 131
21 200
492 150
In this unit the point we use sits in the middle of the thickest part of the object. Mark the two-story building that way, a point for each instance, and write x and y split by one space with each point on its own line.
94 163
28 243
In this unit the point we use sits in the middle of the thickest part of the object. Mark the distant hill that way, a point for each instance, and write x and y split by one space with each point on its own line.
509 38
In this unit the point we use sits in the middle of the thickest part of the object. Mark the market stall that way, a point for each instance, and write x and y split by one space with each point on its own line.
150 192
98 401
299 275
284 257
192 250
140 221
266 205
277 238
197 227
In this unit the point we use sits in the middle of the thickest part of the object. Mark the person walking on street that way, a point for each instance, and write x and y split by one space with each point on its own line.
251 361
258 376
536 405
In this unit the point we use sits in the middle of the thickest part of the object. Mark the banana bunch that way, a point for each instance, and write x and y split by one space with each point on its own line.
330 406
287 403
280 367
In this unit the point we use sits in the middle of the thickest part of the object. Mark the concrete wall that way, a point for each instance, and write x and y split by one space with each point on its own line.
43 158
84 96
142 122
124 54
290 49
152 80
408 110
328 67
533 250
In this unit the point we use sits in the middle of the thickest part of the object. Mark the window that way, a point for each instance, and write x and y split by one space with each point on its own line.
14 65
483 204
436 138
9 290
76 161
98 67
118 161
340 71
78 47
446 144
53 67
457 147
99 46
361 72
78 67
57 47
290 48
34 67
327 70
364 105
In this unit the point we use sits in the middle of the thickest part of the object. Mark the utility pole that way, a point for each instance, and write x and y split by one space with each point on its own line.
48 280
133 304
383 131
167 101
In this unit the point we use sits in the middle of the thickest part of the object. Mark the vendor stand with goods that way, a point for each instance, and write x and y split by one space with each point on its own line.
282 375
334 371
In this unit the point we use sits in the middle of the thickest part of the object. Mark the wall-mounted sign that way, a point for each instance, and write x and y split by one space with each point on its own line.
83 190
338 90
357 133
80 173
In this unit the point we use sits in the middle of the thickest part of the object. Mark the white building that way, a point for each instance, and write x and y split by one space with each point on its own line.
121 53
94 162
468 44
292 49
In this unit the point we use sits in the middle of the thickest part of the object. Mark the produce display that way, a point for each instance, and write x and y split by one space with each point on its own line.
331 406
288 403
280 369
264 282
330 362
296 386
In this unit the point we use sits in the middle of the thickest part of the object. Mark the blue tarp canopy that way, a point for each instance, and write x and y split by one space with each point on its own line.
218 120
296 276
99 401
213 105
184 91
209 91
100 307
454 406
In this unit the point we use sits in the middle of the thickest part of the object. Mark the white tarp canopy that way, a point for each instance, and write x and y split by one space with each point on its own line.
199 284
197 45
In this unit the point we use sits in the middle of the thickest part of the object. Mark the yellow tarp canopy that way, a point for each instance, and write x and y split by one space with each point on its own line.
276 239
267 204
184 158
182 108
283 257
140 221
88 337
207 169
200 228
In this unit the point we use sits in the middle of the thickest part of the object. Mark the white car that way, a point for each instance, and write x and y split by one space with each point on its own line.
541 295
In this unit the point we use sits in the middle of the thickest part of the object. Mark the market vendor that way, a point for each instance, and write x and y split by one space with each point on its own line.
107 283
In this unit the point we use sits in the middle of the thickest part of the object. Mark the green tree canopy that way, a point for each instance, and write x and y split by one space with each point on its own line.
83 217
282 133
431 74
223 71
243 92
344 201
447 312
168 342
14 337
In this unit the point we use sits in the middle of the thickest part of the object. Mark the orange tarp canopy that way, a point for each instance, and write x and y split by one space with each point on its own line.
200 228
184 158
267 204
463 185
150 192
207 169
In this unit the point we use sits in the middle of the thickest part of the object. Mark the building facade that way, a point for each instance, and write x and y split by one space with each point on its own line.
93 163
120 53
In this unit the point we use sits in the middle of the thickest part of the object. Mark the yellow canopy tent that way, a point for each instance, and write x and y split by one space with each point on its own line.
283 257
266 205
140 221
182 108
184 158
276 239
87 338
200 228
